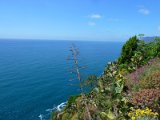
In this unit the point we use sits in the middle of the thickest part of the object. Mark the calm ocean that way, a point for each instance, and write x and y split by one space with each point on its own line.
34 77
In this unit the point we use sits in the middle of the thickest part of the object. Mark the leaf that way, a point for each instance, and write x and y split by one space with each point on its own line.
96 89
103 114
102 90
124 100
110 115
118 89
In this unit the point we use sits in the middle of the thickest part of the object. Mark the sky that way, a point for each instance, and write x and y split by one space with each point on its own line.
108 20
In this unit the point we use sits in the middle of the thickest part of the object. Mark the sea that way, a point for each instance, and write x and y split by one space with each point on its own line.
36 77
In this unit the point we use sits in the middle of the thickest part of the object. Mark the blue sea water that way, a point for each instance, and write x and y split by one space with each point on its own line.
34 75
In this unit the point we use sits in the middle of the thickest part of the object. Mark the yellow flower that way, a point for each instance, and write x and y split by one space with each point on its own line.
129 114
156 114
133 118
141 113
137 113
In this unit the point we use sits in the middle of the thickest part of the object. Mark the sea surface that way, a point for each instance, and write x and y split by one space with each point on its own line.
34 74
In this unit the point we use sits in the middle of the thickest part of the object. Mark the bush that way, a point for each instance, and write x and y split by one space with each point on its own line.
152 49
65 116
71 104
54 114
140 77
128 50
147 98
91 81
152 81
157 43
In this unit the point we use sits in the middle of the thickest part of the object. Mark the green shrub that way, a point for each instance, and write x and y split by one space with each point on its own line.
71 104
152 49
54 114
66 116
157 42
128 50
91 81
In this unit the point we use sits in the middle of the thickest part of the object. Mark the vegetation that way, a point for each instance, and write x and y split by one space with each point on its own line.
128 50
152 80
129 88
143 114
146 98
91 81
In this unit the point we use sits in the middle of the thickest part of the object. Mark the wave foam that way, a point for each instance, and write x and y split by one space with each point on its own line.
61 106
49 110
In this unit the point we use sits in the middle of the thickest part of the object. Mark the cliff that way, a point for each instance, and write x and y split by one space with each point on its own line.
128 89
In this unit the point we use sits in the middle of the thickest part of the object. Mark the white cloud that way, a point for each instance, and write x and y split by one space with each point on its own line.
144 11
95 16
91 23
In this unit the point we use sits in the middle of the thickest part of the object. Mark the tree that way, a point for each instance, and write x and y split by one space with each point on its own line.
157 41
140 36
128 50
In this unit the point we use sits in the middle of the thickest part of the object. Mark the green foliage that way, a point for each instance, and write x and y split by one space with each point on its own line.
136 53
103 114
54 115
71 104
128 50
91 81
137 59
66 116
113 97
141 35
152 49
109 115
157 44
108 99
123 69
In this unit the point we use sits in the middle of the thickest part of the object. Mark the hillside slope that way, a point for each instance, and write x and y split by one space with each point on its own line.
128 89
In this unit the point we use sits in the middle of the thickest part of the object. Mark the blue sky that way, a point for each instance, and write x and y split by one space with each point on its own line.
113 20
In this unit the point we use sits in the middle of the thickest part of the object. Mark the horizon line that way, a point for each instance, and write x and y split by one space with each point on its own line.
39 39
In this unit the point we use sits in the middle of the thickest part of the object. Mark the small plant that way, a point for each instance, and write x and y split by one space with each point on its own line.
91 81
143 114
152 81
133 78
137 78
147 98
137 59
71 104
